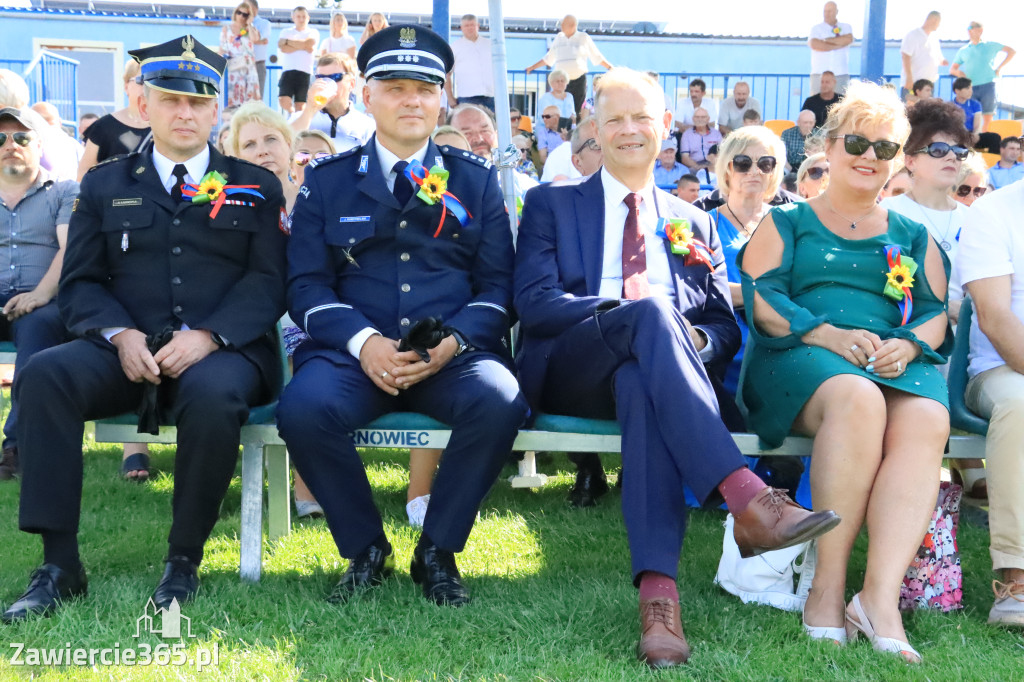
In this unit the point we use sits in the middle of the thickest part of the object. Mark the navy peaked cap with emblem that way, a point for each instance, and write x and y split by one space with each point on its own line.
405 51
183 65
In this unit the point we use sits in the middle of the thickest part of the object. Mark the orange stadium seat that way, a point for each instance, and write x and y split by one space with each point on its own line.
990 159
1007 127
777 125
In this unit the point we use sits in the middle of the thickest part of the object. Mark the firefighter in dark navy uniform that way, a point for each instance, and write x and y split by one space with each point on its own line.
173 280
385 237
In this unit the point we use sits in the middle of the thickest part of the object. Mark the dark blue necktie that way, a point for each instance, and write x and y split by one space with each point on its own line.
403 186
179 179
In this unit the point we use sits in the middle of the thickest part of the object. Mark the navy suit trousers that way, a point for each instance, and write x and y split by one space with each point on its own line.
40 329
328 399
61 388
638 364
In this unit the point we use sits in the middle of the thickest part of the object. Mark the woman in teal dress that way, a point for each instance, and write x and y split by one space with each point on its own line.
846 330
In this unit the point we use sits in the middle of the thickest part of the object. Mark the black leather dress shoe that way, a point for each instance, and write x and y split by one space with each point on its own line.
180 581
368 569
434 569
590 485
49 586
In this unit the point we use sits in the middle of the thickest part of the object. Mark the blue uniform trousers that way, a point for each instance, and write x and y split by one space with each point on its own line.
40 329
328 399
63 387
637 363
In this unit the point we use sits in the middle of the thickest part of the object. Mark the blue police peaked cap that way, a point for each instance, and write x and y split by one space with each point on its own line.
405 51
183 65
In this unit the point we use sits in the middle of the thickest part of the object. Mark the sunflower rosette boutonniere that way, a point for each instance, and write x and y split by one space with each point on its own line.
900 280
836 31
213 189
682 242
433 186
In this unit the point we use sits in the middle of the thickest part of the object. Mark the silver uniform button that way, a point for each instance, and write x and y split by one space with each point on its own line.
404 257
403 224
404 322
405 288
351 240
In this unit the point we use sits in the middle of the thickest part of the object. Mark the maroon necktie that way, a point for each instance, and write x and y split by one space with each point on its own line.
634 252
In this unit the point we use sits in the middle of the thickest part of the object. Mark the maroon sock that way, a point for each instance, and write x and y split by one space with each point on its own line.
739 488
657 586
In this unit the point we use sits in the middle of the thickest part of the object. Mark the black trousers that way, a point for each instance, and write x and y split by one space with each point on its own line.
578 88
63 387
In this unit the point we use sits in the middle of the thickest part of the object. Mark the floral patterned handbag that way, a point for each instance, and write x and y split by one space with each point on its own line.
934 579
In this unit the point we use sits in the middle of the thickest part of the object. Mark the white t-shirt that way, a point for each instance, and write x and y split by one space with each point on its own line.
300 60
731 115
559 162
925 54
474 69
836 61
993 246
354 129
339 45
571 54
945 227
684 114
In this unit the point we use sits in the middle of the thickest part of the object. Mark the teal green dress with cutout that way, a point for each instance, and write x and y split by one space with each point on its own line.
826 278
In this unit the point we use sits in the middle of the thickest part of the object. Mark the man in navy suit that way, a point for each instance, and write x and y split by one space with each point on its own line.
622 295
370 257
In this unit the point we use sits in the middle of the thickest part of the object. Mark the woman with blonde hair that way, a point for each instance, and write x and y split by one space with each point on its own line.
972 180
812 176
846 307
375 23
237 38
339 40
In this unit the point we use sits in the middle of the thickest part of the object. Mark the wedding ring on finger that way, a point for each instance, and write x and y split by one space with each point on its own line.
899 367
854 348
384 374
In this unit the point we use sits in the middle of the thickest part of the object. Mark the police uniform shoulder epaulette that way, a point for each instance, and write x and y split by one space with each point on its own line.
456 153
112 159
314 163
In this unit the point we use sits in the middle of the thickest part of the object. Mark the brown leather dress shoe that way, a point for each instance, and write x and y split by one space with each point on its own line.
773 521
662 644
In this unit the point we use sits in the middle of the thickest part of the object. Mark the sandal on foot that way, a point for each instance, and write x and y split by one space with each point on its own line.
139 462
857 623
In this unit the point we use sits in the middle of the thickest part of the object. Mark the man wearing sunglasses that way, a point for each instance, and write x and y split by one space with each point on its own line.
329 106
1008 169
35 209
620 322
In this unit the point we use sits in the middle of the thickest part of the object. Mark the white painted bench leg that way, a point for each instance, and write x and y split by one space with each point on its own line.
279 507
252 511
528 476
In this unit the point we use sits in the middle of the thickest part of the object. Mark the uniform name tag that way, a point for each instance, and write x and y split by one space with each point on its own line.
117 203
354 219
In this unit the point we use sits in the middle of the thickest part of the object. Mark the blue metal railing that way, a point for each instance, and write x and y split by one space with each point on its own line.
51 78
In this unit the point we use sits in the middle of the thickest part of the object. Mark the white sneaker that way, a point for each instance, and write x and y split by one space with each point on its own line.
417 510
308 509
1009 606
764 579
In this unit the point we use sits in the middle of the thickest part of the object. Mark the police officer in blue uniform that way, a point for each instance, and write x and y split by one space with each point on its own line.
370 256
146 264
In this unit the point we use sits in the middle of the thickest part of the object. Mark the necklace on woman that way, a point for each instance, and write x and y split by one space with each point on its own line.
944 241
739 223
853 223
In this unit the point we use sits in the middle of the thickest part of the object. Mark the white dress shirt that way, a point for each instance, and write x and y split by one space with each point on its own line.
659 274
388 159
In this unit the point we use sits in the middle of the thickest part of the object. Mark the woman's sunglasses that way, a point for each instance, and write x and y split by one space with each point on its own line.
241 13
302 158
939 150
815 172
856 145
964 190
741 163
20 138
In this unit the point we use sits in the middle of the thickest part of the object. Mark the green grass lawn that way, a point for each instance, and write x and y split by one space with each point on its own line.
551 588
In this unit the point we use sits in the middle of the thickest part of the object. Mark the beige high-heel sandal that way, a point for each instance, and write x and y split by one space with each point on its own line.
859 624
